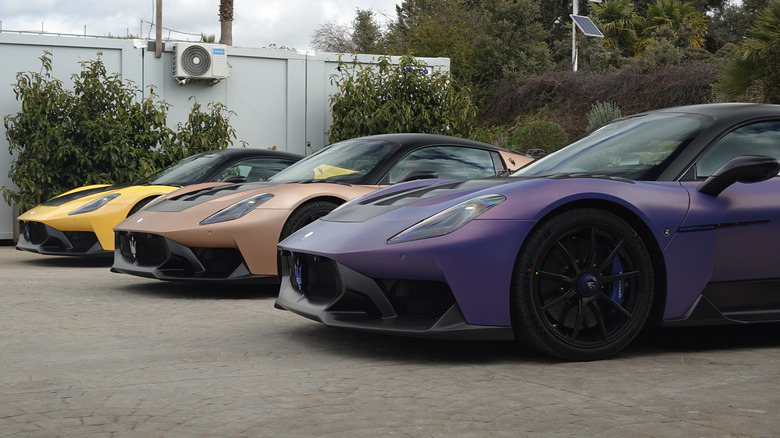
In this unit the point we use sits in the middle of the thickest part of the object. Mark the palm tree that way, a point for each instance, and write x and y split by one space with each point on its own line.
756 59
619 22
677 19
226 22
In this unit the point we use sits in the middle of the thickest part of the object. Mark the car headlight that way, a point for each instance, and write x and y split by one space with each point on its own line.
237 210
448 220
94 205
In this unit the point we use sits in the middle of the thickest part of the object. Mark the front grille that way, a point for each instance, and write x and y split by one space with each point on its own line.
418 299
319 279
81 241
35 232
144 249
219 262
316 277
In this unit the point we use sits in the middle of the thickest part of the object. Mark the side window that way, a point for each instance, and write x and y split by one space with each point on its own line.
255 169
756 139
448 161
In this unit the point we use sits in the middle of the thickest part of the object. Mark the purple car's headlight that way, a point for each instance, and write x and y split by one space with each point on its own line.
448 220
237 210
94 205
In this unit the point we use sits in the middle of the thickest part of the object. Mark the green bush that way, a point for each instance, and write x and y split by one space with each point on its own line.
99 133
383 98
602 113
539 134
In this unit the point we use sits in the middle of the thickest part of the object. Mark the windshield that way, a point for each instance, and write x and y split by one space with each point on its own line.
347 161
638 148
190 170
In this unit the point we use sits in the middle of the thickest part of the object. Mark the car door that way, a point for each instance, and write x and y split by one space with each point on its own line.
744 221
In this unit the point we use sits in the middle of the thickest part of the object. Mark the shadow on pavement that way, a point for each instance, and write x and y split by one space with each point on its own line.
689 340
174 290
52 261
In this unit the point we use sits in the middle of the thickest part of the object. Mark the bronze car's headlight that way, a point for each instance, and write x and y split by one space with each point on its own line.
94 205
237 210
448 220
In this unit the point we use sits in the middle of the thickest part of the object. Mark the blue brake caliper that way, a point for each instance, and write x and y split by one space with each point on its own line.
617 289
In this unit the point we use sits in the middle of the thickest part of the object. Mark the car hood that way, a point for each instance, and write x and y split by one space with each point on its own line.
214 197
220 193
92 192
530 194
61 206
420 193
184 209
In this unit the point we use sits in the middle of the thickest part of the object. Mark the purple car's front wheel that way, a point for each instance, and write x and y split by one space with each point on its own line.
583 286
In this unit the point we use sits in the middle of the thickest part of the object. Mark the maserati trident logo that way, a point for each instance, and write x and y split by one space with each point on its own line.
131 243
588 285
298 272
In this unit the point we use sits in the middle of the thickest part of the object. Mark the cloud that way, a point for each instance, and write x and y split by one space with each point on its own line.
288 23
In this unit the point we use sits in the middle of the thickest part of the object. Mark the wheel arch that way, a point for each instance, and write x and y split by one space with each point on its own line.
141 204
639 225
334 199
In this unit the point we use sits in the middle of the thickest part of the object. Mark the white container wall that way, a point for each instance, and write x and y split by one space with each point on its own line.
280 97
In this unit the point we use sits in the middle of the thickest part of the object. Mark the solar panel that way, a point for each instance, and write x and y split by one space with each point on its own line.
587 26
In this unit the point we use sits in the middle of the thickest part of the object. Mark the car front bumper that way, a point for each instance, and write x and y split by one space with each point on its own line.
154 256
44 239
326 291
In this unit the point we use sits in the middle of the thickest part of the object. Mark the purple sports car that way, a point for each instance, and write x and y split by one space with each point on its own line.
651 219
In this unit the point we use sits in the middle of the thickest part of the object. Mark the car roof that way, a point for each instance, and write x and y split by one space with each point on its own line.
726 111
413 140
236 152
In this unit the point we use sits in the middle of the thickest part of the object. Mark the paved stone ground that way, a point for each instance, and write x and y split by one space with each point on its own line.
88 353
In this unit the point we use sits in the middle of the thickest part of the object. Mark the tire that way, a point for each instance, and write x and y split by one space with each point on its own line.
306 214
582 286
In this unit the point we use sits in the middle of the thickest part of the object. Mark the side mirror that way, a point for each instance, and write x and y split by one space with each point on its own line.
742 169
235 179
419 174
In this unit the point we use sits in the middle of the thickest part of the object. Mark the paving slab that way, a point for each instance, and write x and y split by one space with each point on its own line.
89 353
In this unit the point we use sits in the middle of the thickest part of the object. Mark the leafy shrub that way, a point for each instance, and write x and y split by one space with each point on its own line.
98 133
602 113
388 99
569 95
539 134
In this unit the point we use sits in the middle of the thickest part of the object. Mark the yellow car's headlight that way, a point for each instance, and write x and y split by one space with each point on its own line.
94 205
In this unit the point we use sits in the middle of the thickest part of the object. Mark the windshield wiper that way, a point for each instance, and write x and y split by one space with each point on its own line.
329 181
587 175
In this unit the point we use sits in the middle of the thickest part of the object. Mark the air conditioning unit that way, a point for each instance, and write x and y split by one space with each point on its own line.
199 61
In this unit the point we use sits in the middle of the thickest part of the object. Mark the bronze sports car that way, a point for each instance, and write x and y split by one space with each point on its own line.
229 232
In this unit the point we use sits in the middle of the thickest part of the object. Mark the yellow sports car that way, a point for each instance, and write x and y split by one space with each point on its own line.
80 222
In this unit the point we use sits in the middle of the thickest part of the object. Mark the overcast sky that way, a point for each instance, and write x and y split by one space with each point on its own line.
257 23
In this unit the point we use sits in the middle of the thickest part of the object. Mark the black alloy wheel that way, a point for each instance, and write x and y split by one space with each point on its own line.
582 286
